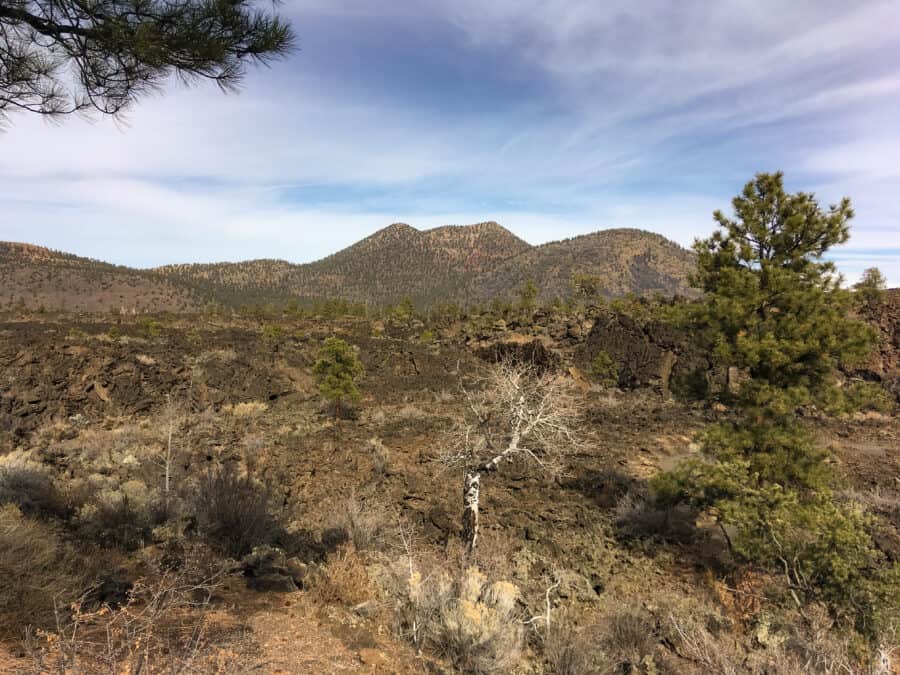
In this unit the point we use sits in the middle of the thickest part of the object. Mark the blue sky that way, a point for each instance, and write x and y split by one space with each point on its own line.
552 117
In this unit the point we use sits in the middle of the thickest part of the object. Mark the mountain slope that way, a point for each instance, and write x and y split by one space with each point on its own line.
626 260
36 278
400 261
395 262
463 264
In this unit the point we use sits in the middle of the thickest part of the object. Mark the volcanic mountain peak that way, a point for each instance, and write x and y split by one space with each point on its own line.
391 233
452 263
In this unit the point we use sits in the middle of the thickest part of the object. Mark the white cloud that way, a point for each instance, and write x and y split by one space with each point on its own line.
649 119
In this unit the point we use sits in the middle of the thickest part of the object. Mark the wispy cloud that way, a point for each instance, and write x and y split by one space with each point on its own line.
554 117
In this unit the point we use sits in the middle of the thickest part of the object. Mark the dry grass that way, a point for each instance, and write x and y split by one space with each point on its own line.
569 651
38 570
343 579
365 523
163 627
247 409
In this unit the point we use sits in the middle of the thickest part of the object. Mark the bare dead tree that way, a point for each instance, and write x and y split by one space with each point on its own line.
514 412
174 422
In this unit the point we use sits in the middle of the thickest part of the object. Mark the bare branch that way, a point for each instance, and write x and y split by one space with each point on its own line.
514 411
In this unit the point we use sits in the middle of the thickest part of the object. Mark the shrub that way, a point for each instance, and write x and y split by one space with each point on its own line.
28 485
121 518
246 409
859 397
470 621
628 635
568 651
826 553
161 627
37 570
364 523
636 516
604 370
151 328
343 578
381 457
233 510
272 333
479 631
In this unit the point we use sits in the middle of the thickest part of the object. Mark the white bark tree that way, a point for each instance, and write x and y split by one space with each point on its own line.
173 420
514 412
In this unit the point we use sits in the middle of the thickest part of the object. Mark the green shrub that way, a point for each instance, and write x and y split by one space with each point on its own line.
151 328
272 332
825 552
604 370
858 397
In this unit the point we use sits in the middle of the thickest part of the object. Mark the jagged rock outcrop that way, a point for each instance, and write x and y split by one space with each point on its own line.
652 354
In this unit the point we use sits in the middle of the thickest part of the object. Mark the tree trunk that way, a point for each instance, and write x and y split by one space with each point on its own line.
471 491
169 462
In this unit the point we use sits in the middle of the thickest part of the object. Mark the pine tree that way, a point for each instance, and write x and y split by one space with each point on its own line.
337 372
775 308
870 288
528 293
65 56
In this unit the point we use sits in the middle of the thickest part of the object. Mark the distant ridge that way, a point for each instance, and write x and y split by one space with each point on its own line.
39 278
453 263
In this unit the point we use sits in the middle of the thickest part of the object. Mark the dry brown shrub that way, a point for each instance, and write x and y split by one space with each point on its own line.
381 457
692 640
479 631
163 627
817 646
121 517
569 651
233 510
38 572
364 522
742 600
628 635
343 579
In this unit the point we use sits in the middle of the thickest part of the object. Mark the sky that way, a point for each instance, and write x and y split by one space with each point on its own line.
552 117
